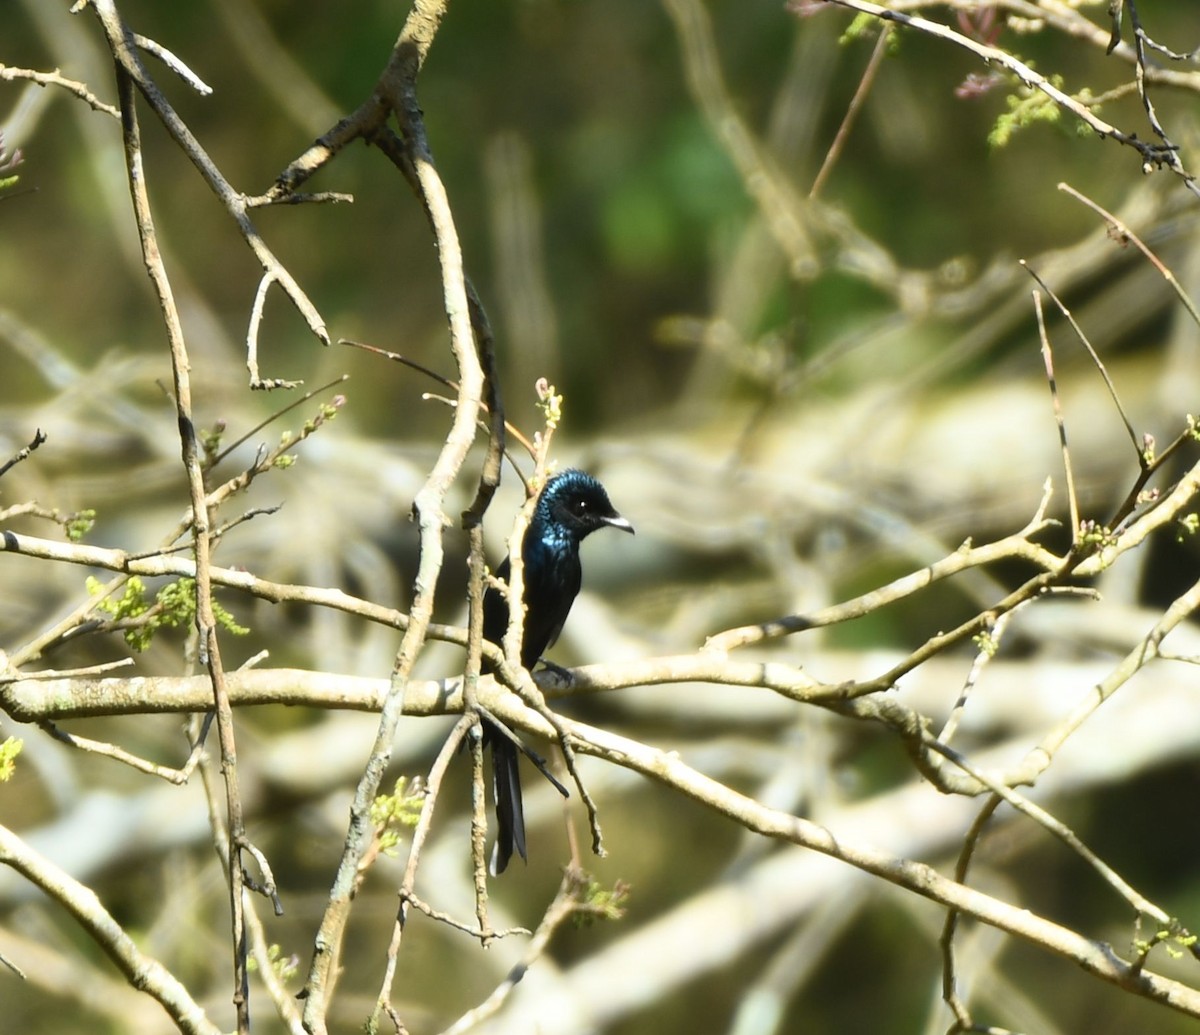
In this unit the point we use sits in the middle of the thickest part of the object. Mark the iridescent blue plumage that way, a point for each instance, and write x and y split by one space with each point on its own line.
571 506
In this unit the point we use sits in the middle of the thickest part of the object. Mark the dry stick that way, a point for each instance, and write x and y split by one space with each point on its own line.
1097 958
993 634
1152 44
445 918
1128 235
961 868
509 429
172 62
99 747
1153 155
479 820
852 110
1149 462
236 204
1040 757
565 905
420 833
39 437
477 574
256 310
1017 545
397 89
205 619
1137 901
472 522
43 79
36 700
141 971
1139 46
66 673
1099 364
285 1003
1048 360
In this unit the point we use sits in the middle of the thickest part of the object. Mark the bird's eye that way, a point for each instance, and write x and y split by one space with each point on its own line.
581 507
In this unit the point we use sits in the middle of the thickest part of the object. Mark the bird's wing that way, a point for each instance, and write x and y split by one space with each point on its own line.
547 609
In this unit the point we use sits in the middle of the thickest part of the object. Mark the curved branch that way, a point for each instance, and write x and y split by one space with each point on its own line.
81 902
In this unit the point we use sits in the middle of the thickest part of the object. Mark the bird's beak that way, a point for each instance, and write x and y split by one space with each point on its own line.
619 522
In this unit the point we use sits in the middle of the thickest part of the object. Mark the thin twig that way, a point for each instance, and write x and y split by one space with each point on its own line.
1124 234
117 754
66 673
1017 545
420 835
1153 155
397 89
1059 421
39 436
852 109
950 928
120 43
173 62
9 74
298 401
450 383
1134 898
565 905
1095 357
256 312
140 970
989 645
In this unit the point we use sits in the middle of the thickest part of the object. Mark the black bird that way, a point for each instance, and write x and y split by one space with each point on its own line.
571 506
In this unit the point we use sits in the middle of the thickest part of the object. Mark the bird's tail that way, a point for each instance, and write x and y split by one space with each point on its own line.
506 788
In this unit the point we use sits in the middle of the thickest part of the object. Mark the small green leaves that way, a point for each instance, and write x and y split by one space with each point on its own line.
985 643
1149 449
600 903
327 411
174 606
863 26
8 757
1174 938
1025 107
1092 533
8 162
210 442
79 524
178 603
285 967
550 403
131 604
392 812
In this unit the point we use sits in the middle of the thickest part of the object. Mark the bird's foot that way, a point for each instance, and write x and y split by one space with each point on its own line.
562 675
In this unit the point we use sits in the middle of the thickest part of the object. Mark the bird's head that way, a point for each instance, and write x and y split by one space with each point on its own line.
576 502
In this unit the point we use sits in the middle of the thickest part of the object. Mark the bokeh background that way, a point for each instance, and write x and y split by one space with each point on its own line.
793 401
